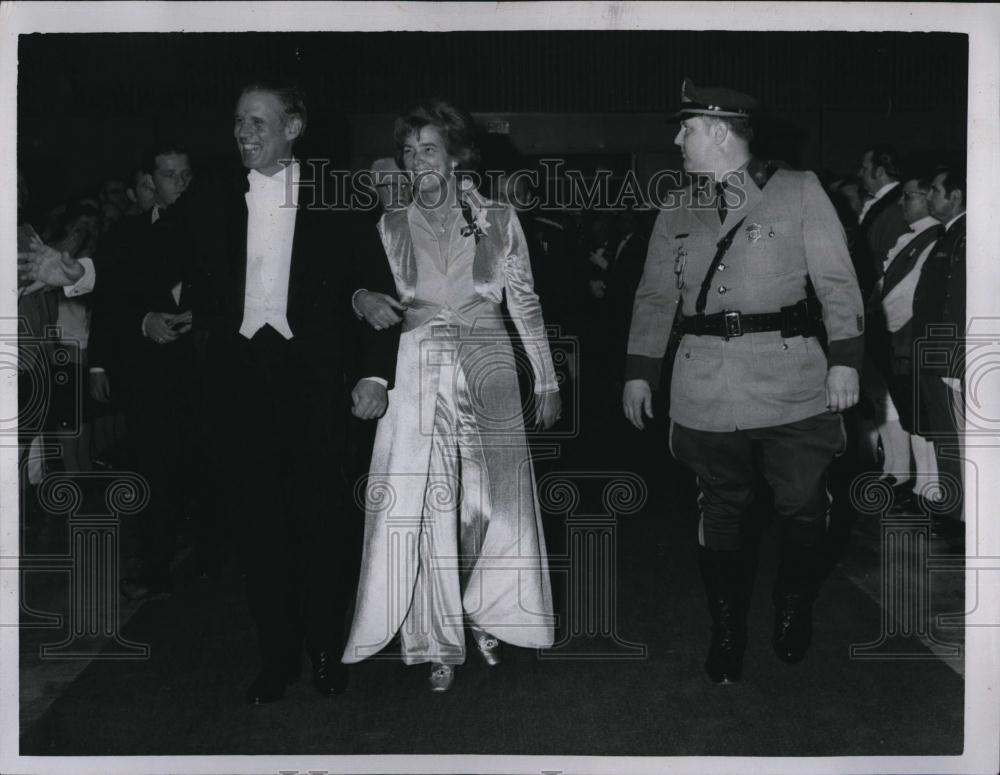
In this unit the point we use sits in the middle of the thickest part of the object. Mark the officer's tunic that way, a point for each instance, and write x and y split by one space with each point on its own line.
790 235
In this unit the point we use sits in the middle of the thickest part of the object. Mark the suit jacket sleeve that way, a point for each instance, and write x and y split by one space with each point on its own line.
370 270
525 309
829 265
654 309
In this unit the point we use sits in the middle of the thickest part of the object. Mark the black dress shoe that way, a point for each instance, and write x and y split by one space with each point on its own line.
268 686
329 674
792 627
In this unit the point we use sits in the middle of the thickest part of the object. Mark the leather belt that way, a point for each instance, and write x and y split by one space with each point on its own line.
794 320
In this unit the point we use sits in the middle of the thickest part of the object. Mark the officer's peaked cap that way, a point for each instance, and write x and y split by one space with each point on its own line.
714 101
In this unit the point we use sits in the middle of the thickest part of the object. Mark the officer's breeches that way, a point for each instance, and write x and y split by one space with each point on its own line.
792 458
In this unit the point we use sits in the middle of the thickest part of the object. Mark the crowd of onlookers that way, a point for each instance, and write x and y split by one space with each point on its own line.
905 229
905 224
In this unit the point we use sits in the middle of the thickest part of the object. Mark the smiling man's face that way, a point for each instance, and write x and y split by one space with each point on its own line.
264 134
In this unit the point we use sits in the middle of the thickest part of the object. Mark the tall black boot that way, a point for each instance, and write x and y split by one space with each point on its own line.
727 585
801 570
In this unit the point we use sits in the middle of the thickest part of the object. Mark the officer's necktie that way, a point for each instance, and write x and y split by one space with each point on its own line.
720 200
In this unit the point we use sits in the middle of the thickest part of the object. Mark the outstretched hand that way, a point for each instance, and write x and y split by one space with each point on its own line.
45 264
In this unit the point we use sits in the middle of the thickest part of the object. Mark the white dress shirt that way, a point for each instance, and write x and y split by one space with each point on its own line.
271 206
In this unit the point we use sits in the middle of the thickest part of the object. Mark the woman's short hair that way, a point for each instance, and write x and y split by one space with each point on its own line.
455 124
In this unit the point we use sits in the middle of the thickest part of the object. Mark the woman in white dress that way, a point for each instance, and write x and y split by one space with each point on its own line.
453 532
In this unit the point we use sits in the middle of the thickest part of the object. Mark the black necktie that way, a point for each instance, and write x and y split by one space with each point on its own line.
720 199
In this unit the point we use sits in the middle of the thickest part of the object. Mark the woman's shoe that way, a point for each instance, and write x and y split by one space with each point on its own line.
442 677
489 647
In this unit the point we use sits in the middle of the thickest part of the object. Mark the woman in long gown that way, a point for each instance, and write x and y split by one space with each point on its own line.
453 531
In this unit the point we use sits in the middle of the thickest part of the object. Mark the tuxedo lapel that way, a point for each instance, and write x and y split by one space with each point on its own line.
301 256
237 237
887 200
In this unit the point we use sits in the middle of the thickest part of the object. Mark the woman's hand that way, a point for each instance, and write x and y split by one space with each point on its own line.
379 309
548 409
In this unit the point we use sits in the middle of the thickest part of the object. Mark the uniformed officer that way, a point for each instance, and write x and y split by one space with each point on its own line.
729 268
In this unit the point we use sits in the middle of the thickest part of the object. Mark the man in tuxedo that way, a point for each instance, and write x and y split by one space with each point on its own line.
939 336
880 224
278 272
141 353
904 262
752 392
880 220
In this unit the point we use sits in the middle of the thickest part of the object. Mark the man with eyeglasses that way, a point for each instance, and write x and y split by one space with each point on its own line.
939 305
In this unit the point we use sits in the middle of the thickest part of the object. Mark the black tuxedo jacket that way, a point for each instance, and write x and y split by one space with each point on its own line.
333 254
939 300
901 340
882 226
138 266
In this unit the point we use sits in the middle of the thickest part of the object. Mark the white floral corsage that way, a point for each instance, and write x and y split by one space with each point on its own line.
476 226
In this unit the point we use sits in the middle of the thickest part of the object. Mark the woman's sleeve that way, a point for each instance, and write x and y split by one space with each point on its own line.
523 305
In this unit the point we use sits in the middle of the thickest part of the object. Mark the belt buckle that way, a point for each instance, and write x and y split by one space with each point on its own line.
733 324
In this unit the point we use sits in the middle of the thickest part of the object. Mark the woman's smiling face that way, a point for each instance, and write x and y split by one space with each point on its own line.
426 158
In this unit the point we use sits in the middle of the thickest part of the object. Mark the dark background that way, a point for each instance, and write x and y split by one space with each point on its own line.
88 103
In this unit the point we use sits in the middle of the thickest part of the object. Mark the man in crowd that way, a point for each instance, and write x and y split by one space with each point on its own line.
939 331
880 220
880 224
275 305
142 353
904 262
752 392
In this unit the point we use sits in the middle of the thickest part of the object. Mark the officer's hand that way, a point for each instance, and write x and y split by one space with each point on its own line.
379 309
100 386
637 400
842 389
370 399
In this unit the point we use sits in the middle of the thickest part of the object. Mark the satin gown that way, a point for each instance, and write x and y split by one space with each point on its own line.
453 530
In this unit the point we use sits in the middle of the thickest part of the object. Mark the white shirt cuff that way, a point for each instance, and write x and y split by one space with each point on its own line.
383 382
86 283
354 302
